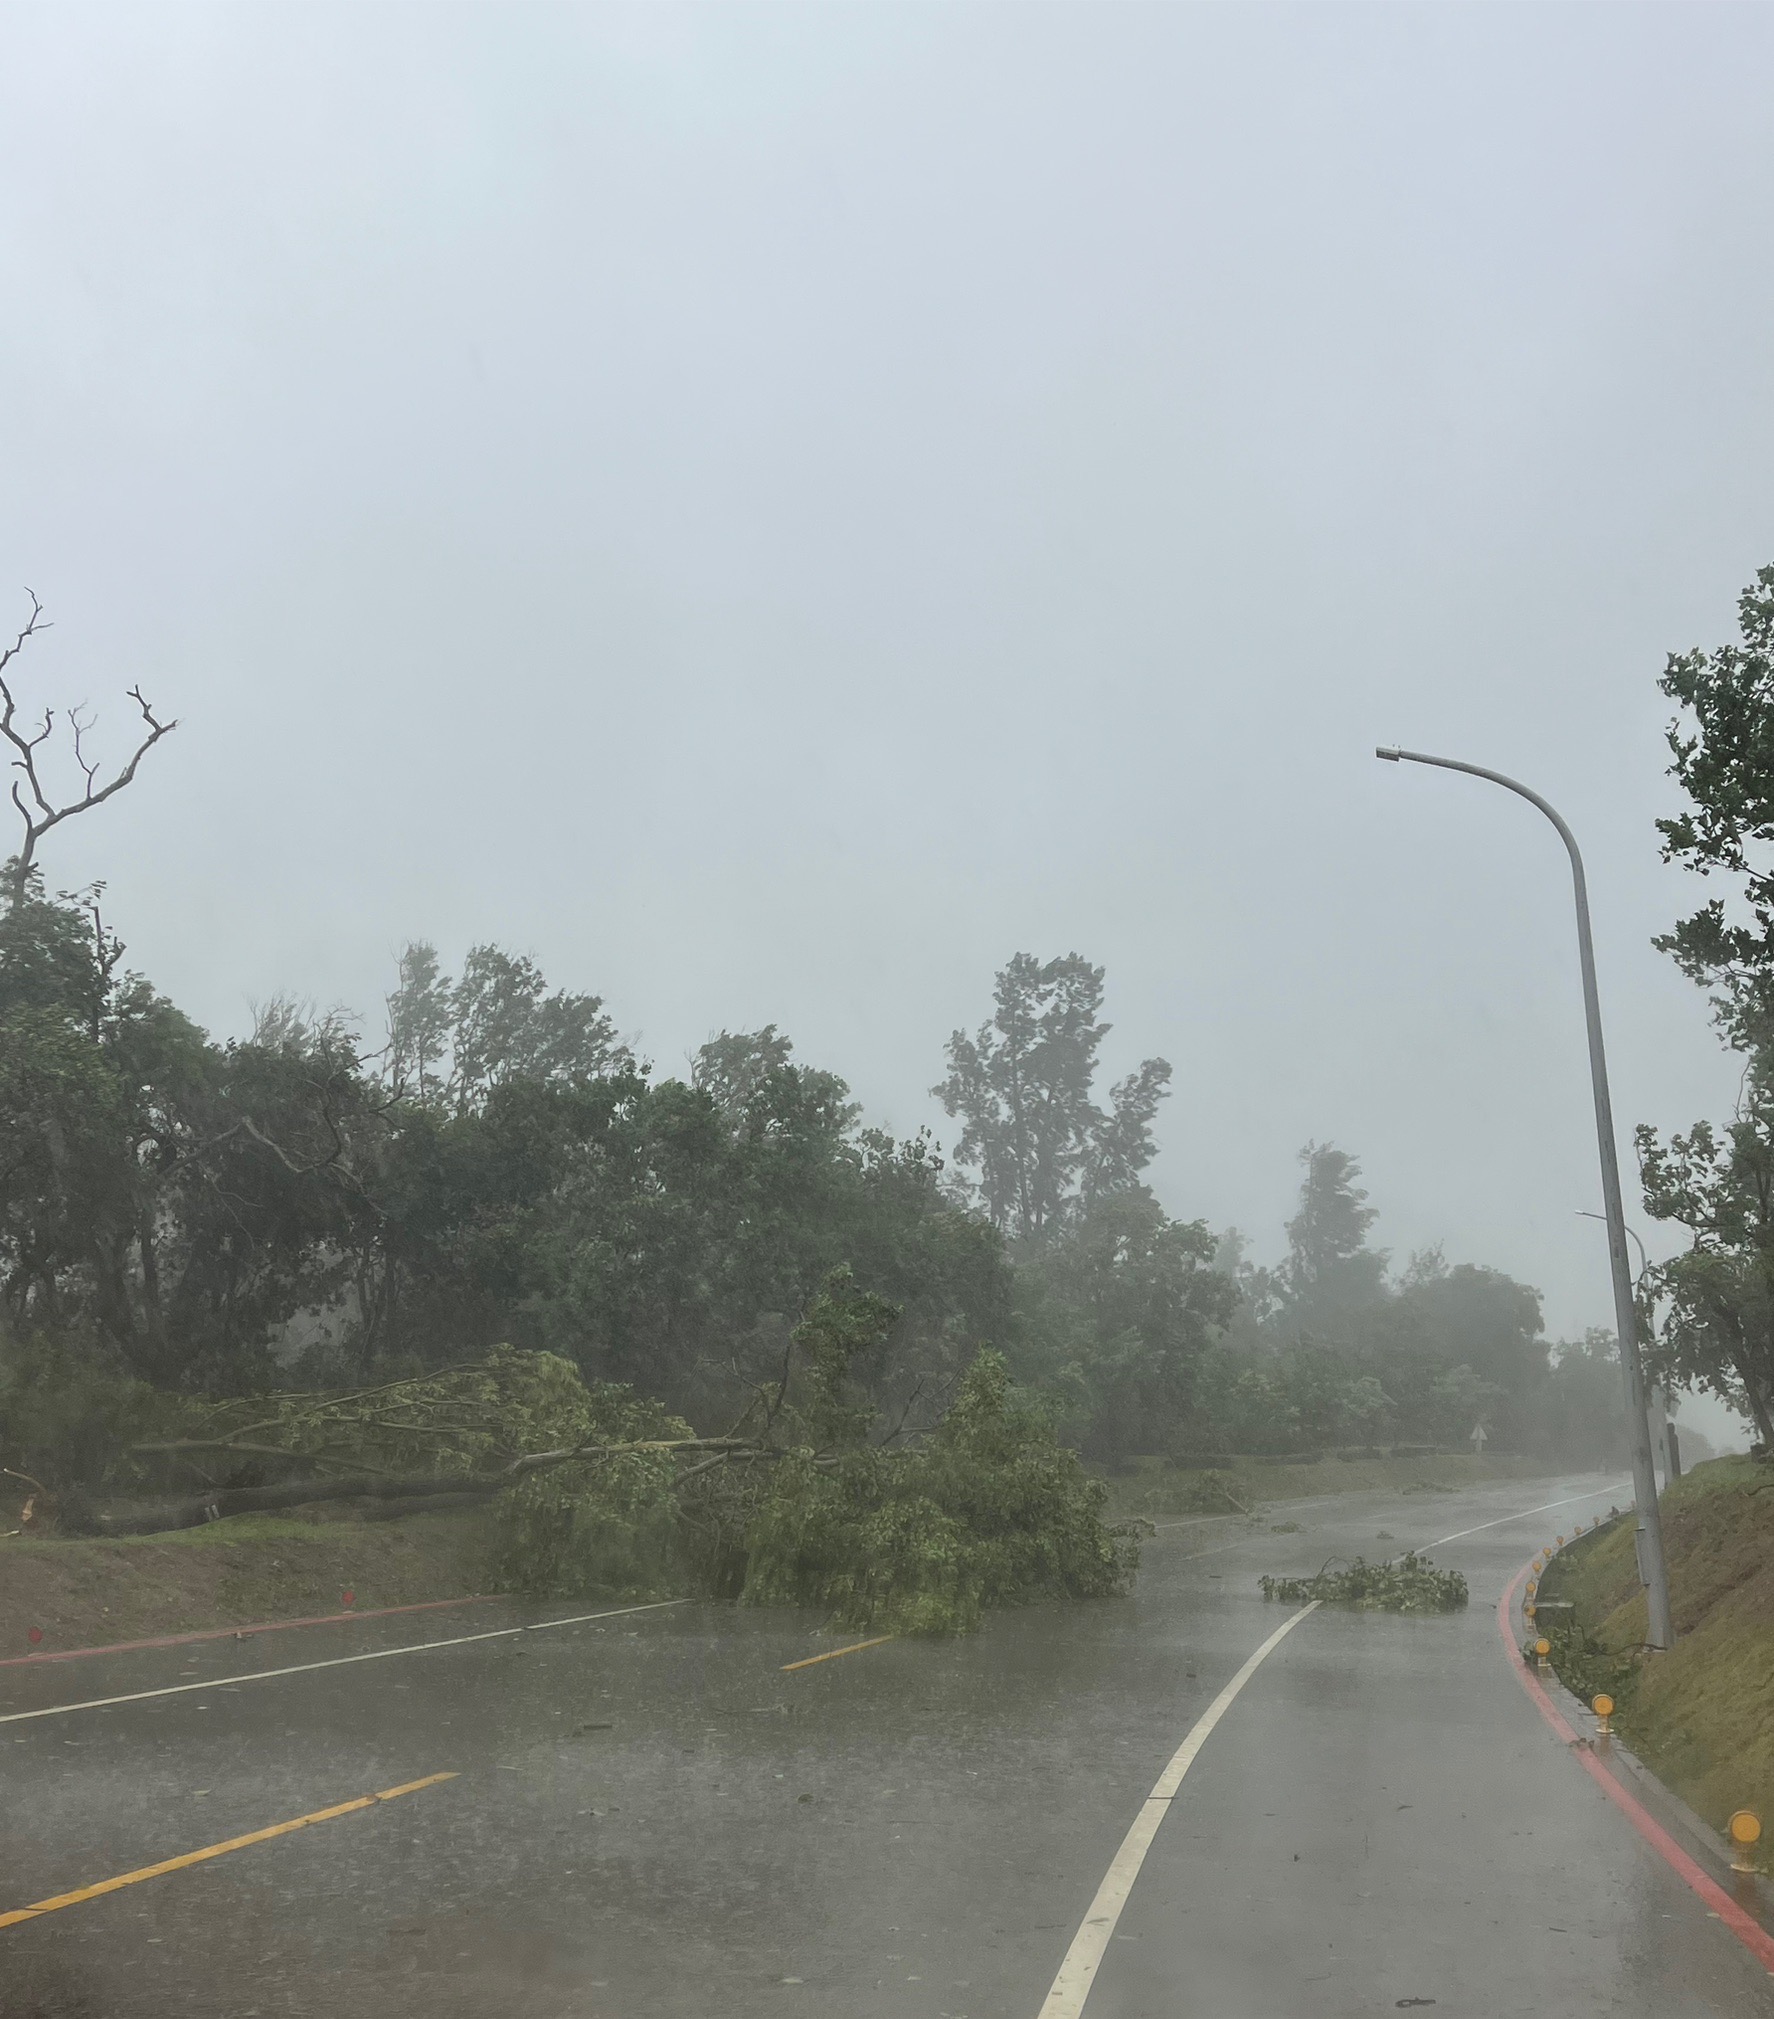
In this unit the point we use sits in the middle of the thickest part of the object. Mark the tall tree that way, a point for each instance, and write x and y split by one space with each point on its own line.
452 1043
1330 1229
1115 1318
734 1068
1022 1086
1723 747
173 1199
1718 1332
419 1020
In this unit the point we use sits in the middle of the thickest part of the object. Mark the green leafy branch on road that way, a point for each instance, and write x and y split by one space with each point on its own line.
1409 1583
990 1510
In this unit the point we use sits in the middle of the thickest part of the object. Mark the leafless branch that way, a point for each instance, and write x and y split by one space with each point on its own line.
37 812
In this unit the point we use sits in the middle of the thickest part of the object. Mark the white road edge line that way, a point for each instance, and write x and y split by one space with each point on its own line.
1545 1506
1082 1960
222 1682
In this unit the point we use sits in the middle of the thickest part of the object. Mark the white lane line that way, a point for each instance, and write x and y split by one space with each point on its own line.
1502 1520
223 1682
1078 1972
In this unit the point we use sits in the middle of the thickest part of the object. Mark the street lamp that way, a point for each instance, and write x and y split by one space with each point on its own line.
1653 1572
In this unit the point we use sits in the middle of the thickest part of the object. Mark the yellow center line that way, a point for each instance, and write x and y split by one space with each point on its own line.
855 1647
215 1851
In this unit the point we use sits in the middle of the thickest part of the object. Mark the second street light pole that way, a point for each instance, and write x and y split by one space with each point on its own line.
1652 1569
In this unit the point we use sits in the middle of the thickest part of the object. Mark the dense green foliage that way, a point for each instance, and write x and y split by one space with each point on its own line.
989 1510
1718 1329
201 1218
502 1172
1718 1184
1723 749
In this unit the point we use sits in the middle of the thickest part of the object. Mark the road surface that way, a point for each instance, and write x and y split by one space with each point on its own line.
649 1816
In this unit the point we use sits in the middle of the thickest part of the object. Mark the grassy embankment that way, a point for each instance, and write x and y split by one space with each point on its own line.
1153 1488
248 1568
1701 1717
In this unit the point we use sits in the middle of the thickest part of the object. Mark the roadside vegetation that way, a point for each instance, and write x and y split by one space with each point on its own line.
1701 1716
707 1331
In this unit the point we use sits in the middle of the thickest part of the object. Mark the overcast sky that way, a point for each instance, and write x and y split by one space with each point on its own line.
772 510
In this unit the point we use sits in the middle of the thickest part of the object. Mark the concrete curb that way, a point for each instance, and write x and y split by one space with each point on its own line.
1740 1902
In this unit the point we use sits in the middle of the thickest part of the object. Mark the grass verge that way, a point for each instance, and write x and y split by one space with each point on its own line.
230 1573
1700 1716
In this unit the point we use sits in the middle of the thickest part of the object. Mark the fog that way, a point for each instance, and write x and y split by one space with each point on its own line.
773 510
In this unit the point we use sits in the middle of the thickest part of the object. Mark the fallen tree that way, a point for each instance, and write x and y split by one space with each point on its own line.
806 1499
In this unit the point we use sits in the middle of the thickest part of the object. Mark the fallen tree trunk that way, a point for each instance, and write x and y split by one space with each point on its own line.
385 1493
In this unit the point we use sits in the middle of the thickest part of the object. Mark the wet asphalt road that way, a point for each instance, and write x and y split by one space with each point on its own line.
650 1818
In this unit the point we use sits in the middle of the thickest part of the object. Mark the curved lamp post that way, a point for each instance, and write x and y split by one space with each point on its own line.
1652 1571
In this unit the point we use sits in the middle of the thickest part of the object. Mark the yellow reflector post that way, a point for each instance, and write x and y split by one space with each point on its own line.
1745 1830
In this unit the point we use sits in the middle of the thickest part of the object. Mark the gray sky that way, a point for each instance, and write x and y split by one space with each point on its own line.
772 510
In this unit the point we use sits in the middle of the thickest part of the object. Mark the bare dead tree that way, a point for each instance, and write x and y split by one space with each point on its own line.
30 794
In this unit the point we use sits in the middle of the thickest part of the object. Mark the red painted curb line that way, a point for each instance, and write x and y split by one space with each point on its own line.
240 1632
1748 1930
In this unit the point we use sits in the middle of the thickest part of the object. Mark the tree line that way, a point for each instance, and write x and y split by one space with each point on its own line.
311 1206
328 1208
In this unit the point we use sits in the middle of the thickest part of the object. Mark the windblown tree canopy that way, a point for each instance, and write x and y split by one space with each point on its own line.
203 1209
1718 1332
1723 747
1022 1086
1718 1184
